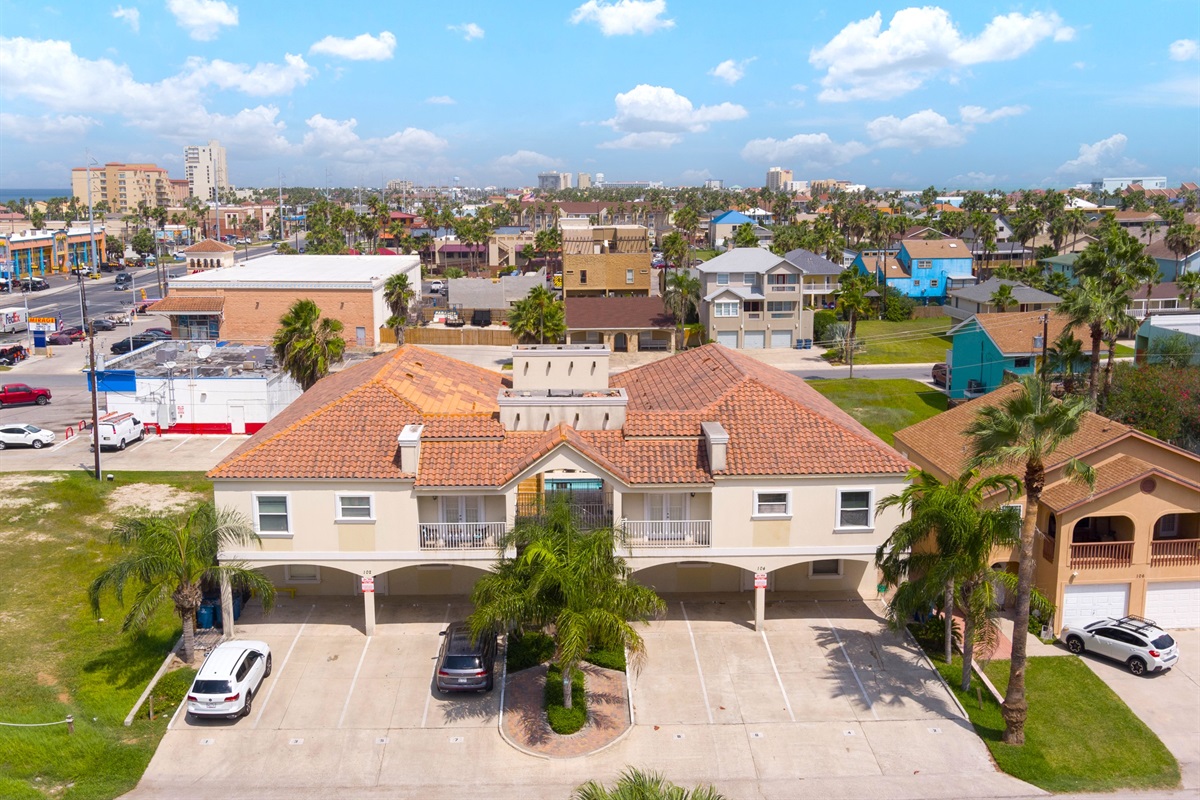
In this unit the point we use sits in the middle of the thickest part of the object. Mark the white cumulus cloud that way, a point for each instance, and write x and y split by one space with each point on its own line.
363 47
440 100
337 140
916 131
812 150
624 17
45 127
469 30
646 108
866 61
261 80
523 159
131 16
975 115
647 140
1184 50
1102 156
203 19
730 71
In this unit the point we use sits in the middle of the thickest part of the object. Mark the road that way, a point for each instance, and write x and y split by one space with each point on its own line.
916 372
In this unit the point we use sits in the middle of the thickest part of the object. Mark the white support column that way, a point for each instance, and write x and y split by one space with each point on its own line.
760 603
369 610
226 607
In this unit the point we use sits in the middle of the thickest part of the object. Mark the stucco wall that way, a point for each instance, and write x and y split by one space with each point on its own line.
606 272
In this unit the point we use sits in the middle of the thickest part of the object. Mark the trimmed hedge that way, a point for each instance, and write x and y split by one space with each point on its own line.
608 659
564 720
528 649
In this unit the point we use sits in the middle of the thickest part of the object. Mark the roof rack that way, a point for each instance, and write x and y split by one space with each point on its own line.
1134 622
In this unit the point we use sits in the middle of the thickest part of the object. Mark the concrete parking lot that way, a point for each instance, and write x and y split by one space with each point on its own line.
156 453
824 702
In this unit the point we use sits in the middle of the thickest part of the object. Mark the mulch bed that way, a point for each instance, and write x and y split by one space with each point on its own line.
525 715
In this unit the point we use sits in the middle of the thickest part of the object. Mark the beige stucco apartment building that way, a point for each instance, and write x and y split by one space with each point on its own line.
753 299
407 468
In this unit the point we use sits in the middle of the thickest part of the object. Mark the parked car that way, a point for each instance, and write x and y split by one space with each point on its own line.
437 287
102 324
229 678
74 332
118 429
34 284
940 374
128 344
57 338
1136 642
15 434
124 281
465 665
13 394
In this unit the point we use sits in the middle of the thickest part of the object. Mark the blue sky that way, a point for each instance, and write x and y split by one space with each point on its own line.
969 95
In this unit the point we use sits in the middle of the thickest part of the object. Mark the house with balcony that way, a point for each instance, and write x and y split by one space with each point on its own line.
926 268
818 277
409 467
989 348
753 299
1129 544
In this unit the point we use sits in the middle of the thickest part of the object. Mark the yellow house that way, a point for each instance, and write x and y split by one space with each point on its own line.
1128 545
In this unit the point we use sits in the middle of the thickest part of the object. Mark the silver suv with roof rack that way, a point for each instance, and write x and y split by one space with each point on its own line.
1136 642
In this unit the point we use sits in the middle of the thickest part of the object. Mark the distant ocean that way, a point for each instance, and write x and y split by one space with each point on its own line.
32 194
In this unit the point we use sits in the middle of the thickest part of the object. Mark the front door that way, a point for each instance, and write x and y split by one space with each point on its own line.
462 509
666 507
237 419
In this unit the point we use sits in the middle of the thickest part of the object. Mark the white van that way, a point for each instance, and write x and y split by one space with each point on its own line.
118 429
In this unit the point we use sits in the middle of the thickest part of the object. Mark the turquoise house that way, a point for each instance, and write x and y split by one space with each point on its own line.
989 347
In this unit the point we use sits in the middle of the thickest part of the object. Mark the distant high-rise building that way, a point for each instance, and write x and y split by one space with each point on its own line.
714 183
204 168
583 181
778 178
123 186
554 181
1117 184
399 186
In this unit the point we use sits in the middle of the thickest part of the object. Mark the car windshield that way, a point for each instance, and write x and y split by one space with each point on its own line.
210 687
1164 642
461 662
32 429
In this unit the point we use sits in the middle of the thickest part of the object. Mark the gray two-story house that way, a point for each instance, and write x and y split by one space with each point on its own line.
753 299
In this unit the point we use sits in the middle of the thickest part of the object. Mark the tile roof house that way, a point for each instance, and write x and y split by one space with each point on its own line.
623 324
209 254
409 466
1128 544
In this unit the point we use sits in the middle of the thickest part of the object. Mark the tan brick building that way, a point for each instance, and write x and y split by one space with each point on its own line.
608 261
244 303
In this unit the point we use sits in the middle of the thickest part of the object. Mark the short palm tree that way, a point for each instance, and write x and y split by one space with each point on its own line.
568 577
1189 287
168 557
1025 429
1003 297
1063 355
538 317
307 344
634 784
682 298
398 295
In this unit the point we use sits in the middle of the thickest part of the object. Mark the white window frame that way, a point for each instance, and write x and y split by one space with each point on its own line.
722 309
821 576
785 514
628 276
722 279
338 516
747 278
838 526
289 578
1020 507
287 497
924 263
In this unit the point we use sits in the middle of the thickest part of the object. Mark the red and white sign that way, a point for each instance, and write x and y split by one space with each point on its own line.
368 584
760 580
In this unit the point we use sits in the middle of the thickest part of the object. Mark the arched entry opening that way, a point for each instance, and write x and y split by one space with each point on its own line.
620 343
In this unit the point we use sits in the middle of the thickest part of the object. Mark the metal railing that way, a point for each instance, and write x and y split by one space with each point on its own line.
1174 552
589 508
461 535
782 287
668 533
1101 555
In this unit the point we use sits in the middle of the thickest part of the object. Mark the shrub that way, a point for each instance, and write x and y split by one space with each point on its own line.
564 720
931 634
896 306
528 649
609 659
1158 400
821 322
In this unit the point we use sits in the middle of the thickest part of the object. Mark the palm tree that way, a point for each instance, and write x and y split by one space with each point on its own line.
1026 428
537 317
398 295
1189 286
1063 355
1003 297
169 557
682 297
1087 304
852 301
1182 240
634 784
566 576
307 344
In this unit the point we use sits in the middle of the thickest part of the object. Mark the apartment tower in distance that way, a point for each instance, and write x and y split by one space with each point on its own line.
583 180
779 179
204 167
553 181
123 186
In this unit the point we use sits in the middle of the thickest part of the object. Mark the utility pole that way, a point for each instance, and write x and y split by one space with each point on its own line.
1045 335
95 402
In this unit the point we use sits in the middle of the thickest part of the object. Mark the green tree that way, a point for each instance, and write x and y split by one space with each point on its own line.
1063 356
114 248
1025 430
569 577
1088 304
682 298
675 249
538 317
744 236
634 784
852 300
1176 350
1182 239
307 344
398 295
1189 287
169 557
1003 297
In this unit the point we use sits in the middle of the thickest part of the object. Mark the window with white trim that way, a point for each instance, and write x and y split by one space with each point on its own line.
924 264
1018 508
271 514
629 276
825 568
854 508
722 279
355 507
772 503
725 309
301 573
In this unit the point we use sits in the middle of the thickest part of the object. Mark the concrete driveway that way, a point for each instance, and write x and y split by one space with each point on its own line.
825 702
171 452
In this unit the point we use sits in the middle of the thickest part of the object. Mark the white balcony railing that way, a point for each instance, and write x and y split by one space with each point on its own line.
782 287
461 535
668 533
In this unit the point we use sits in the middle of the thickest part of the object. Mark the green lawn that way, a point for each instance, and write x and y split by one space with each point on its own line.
1079 736
57 658
884 406
914 341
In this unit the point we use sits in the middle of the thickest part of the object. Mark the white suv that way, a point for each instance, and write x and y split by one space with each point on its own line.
228 679
1134 641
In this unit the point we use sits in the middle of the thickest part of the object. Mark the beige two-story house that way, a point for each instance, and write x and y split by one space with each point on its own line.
753 299
408 468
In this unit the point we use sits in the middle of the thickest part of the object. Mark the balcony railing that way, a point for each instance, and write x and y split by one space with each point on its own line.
668 533
591 509
782 287
461 535
1174 552
1101 555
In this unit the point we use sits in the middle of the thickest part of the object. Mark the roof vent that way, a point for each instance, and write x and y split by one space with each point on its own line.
952 244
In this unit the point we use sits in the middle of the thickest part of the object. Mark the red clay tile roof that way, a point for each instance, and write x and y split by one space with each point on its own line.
209 246
175 304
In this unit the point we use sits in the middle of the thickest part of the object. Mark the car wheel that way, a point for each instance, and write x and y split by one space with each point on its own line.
1137 666
268 670
3 445
249 703
41 401
37 444
1075 644
142 435
490 684
121 446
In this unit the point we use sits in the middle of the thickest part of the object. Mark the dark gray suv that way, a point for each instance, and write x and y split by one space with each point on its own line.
465 665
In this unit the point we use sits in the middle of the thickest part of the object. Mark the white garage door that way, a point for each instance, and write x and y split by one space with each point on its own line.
727 338
755 340
1087 603
781 339
1174 605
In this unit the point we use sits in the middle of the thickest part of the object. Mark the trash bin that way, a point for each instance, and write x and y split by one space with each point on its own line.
237 606
204 617
216 612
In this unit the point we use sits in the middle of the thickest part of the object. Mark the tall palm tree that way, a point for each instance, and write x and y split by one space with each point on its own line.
1189 286
1063 355
537 317
852 300
634 784
307 344
1003 297
398 295
1182 240
567 576
1088 304
682 298
169 557
1026 429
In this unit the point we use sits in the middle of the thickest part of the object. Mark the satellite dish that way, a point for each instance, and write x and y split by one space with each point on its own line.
204 352
169 364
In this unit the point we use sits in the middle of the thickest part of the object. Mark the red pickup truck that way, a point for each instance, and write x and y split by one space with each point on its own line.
12 394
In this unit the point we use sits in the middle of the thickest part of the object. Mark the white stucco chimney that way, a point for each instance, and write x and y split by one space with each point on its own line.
409 441
716 440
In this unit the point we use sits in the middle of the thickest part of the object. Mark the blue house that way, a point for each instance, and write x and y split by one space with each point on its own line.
987 346
925 269
724 225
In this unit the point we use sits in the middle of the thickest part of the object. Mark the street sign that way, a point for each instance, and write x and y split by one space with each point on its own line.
368 584
760 580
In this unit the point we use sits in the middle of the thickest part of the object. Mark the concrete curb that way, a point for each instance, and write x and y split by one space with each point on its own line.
941 680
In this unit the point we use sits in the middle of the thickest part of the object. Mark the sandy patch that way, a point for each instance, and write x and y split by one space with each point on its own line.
11 483
152 497
14 502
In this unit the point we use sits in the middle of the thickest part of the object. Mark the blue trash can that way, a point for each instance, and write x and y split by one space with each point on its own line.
237 606
204 617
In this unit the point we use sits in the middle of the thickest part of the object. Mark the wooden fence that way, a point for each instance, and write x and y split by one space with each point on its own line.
492 336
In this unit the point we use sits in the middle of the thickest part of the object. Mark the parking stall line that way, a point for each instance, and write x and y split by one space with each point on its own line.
263 705
696 655
849 663
353 682
223 441
778 679
181 444
433 677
